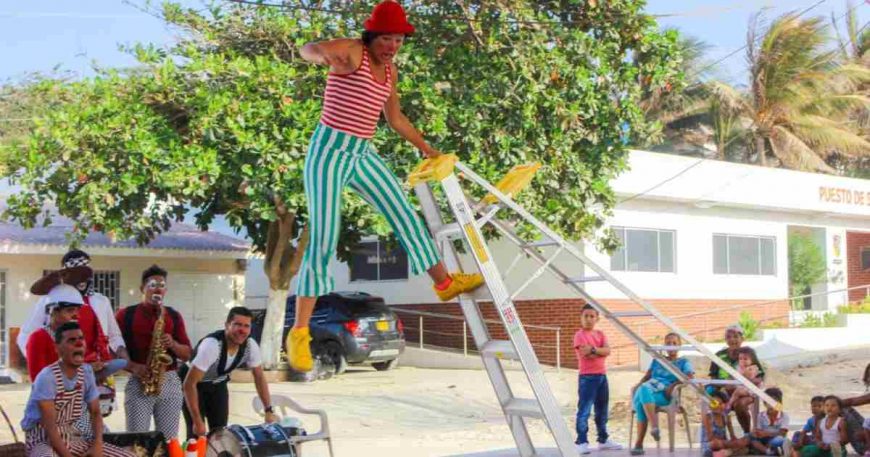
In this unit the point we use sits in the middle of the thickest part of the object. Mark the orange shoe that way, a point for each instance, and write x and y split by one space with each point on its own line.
461 284
298 346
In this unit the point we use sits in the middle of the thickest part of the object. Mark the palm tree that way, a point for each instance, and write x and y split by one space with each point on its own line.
801 95
854 45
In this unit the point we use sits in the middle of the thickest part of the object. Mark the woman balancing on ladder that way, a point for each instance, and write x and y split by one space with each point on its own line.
361 84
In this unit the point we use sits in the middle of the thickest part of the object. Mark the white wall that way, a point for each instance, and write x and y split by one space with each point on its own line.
731 184
694 276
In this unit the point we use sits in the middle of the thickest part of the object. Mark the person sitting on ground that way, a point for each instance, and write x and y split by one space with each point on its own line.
742 408
769 436
656 389
717 433
806 435
56 400
746 358
830 432
854 420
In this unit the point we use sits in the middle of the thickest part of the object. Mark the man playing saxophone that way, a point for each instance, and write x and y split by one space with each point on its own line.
156 339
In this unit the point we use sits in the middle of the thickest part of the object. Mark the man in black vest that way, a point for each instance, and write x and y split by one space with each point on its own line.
206 375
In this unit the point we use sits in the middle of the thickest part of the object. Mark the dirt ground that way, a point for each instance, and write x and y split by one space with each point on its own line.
420 412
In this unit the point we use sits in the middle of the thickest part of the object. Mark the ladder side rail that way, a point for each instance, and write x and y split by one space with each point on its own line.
571 248
507 312
477 325
540 258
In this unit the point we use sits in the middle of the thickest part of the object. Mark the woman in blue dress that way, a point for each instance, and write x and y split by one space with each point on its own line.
655 390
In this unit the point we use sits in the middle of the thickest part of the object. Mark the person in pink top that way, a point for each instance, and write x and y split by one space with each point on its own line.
591 348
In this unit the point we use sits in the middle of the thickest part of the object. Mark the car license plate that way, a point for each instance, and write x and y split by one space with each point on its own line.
383 326
384 353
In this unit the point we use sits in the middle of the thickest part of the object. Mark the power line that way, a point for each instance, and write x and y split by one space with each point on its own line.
680 173
732 53
448 17
68 15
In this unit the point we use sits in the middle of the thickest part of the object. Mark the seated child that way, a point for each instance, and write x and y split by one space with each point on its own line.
717 433
771 427
830 432
806 435
745 366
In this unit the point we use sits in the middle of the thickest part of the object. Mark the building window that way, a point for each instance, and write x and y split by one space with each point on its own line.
865 258
744 255
376 261
644 250
107 283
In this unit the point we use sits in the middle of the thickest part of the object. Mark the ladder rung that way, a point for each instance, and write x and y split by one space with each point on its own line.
582 279
672 348
449 231
541 244
500 349
523 408
631 314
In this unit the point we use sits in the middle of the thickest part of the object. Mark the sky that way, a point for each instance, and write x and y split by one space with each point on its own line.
55 35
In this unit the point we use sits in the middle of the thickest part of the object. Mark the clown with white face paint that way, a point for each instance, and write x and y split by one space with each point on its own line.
360 86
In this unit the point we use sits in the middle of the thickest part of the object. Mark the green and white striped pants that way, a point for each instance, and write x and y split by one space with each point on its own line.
335 160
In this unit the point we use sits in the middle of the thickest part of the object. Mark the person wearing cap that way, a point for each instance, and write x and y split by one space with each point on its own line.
61 395
96 317
360 85
730 355
63 306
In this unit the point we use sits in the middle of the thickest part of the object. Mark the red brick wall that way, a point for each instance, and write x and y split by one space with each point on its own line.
855 241
565 314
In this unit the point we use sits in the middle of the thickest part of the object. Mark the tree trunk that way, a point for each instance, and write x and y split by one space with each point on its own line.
273 328
759 149
281 264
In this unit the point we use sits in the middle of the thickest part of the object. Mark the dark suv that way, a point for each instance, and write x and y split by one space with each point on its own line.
349 328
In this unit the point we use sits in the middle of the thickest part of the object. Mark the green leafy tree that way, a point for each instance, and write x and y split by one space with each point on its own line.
220 121
801 95
806 264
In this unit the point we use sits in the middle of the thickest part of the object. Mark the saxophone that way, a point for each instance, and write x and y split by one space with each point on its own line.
158 358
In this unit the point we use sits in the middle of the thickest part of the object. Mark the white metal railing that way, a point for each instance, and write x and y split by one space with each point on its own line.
421 331
762 305
767 314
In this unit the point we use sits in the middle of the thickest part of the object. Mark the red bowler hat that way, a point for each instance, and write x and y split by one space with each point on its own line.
388 17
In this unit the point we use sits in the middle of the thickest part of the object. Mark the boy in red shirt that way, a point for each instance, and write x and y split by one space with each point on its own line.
63 306
591 348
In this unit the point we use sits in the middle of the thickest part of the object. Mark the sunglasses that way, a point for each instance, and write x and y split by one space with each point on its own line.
152 285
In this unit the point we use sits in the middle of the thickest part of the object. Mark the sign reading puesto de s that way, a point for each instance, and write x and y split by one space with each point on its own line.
844 196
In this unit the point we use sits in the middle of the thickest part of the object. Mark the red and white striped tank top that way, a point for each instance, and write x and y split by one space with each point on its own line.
353 102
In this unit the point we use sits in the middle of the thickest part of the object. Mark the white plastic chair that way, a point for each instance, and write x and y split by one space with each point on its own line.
674 408
285 405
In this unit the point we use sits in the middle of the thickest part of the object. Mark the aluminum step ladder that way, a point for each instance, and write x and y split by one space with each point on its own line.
469 220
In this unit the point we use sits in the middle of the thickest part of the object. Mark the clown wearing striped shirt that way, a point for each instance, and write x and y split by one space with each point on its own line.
361 84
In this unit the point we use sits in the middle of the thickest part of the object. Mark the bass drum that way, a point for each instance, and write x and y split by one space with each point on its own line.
267 440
